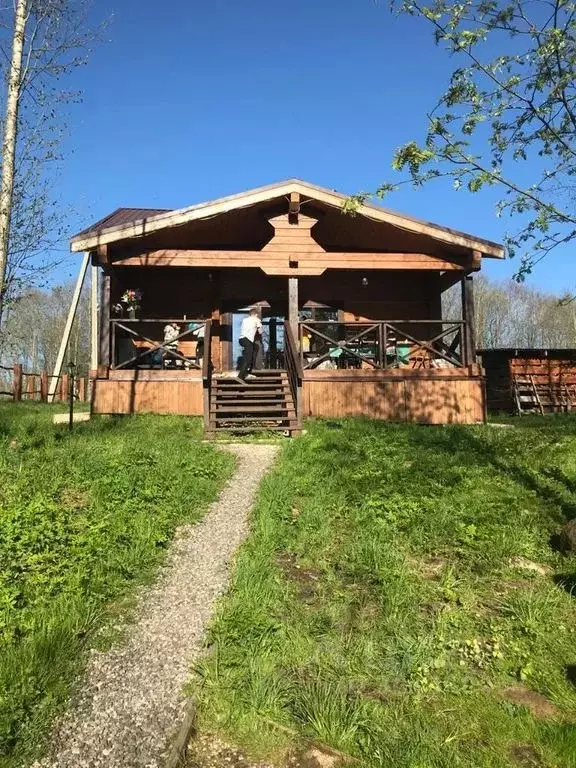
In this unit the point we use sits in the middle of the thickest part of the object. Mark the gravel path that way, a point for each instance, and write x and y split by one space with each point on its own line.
131 701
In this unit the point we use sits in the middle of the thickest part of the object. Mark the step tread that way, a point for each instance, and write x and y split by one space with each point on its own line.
248 401
248 418
253 409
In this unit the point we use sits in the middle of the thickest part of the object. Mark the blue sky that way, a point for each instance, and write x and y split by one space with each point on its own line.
189 101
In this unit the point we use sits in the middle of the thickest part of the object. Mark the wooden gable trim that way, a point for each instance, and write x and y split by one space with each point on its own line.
293 262
288 188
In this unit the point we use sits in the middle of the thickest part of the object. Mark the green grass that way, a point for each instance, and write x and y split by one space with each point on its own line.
84 518
374 608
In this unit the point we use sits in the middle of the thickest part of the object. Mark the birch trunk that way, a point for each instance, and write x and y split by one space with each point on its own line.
10 139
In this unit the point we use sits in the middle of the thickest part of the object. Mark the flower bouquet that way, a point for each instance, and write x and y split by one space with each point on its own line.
131 299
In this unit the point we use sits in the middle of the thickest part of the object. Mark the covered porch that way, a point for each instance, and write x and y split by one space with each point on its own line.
351 307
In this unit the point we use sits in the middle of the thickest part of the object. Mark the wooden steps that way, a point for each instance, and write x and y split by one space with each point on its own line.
264 403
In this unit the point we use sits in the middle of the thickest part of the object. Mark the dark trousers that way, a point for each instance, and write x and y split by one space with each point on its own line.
247 357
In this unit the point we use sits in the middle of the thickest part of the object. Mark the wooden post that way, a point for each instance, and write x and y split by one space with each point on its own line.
273 342
293 306
104 356
44 386
65 387
31 386
68 328
82 389
94 314
17 381
469 341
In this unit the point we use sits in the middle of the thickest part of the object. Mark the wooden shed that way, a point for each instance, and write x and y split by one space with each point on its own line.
529 380
351 306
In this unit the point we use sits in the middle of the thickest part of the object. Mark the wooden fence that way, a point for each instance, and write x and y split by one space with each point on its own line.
18 385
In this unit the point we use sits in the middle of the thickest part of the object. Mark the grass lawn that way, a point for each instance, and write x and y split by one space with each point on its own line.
378 607
84 518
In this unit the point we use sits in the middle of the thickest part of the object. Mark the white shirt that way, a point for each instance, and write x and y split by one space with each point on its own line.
250 326
199 332
171 333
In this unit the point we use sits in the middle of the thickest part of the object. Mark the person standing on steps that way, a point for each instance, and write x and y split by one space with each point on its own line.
251 325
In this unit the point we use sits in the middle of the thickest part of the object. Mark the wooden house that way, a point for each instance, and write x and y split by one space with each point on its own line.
529 380
351 306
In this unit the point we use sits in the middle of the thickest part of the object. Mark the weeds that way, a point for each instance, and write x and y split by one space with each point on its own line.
376 606
85 517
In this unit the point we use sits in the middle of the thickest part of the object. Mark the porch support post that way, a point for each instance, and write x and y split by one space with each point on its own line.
104 357
468 316
293 306
94 315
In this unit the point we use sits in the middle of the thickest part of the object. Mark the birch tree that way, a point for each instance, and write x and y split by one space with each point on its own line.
43 40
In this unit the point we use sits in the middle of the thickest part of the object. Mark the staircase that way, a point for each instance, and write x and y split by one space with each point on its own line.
264 403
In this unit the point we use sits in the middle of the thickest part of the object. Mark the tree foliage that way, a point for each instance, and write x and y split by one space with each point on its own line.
508 116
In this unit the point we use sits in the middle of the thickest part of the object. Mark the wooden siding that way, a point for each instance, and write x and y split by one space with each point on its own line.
554 367
122 396
427 397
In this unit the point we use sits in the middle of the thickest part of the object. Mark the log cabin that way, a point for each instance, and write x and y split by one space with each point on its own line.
529 380
351 306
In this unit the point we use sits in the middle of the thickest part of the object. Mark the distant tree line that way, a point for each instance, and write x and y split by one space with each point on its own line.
33 328
511 314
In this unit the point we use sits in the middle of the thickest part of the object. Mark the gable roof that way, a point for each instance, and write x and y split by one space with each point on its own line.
128 223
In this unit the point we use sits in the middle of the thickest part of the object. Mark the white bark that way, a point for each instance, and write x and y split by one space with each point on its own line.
10 138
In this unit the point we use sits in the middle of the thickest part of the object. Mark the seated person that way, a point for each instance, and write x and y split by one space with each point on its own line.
171 333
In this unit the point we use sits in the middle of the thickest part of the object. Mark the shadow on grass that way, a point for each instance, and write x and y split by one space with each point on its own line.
549 483
567 582
570 671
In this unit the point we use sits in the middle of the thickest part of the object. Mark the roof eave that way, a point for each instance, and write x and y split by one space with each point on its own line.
261 194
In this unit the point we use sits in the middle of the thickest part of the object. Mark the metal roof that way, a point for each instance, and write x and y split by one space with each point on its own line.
122 216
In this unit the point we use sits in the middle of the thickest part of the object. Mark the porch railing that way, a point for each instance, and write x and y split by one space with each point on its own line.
383 344
294 368
142 347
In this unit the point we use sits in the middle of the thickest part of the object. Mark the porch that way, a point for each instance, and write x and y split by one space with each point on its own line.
328 369
351 306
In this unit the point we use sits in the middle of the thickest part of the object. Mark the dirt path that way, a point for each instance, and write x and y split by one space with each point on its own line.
131 699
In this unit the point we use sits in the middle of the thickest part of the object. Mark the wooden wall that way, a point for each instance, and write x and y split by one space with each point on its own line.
556 367
117 396
441 397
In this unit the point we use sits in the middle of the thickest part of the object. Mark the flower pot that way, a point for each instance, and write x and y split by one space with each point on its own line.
132 313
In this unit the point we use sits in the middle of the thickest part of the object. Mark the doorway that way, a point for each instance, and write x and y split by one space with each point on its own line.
270 354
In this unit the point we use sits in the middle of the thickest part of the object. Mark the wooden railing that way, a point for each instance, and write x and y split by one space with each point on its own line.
207 373
151 352
294 368
18 384
383 344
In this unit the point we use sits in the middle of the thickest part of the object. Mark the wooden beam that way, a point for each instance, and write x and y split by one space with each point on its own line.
103 254
293 305
104 356
294 207
94 314
274 261
449 279
68 327
468 316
